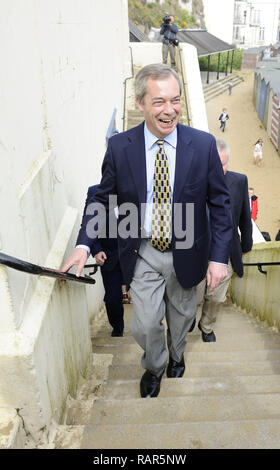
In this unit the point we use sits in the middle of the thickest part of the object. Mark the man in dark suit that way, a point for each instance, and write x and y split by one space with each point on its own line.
209 302
158 165
105 251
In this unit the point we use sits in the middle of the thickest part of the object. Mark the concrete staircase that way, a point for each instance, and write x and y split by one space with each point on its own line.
218 87
229 396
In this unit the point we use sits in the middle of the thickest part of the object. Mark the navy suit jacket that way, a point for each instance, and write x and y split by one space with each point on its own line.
108 245
237 184
199 179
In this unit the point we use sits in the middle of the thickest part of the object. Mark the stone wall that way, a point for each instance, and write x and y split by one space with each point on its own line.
259 293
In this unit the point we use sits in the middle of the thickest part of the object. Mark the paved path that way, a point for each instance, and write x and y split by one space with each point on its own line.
243 130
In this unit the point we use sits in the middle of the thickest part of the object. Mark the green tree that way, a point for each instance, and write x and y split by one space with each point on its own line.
151 14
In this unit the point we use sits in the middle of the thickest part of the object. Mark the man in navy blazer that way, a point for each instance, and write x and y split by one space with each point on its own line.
162 283
209 302
105 251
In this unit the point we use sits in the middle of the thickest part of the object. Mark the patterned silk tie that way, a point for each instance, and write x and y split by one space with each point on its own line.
161 215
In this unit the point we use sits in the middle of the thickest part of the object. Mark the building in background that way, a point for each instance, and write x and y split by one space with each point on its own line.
244 23
256 23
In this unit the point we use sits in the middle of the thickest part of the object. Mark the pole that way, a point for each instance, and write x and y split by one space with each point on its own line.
207 81
227 62
231 61
218 72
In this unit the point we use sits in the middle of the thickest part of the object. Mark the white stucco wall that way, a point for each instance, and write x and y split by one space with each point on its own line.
61 79
219 18
196 101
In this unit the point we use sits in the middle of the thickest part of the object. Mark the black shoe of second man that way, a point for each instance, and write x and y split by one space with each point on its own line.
150 385
207 337
116 332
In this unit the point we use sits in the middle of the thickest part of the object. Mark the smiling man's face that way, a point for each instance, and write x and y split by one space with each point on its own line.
161 106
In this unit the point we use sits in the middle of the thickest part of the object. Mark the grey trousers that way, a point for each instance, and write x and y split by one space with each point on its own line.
156 293
172 51
209 303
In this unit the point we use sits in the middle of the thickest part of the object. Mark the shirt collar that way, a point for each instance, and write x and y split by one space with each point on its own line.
151 139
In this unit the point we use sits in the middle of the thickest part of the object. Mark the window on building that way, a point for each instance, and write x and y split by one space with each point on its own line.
256 17
261 34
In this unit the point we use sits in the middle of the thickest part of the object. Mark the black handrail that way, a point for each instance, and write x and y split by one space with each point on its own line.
30 268
260 264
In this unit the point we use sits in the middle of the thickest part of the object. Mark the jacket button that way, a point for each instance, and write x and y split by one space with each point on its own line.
135 251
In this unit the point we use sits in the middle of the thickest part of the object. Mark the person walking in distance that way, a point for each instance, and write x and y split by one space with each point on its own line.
258 156
223 119
253 201
209 302
147 167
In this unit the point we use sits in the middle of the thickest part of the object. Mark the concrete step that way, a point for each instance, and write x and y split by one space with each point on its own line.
129 355
214 89
202 369
231 338
251 434
219 91
216 385
199 352
222 330
222 337
222 82
184 409
234 335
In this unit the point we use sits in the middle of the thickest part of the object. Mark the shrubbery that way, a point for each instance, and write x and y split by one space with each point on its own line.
237 60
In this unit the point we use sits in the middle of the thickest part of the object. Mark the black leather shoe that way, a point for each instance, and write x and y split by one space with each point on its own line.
175 369
192 325
207 337
116 333
150 385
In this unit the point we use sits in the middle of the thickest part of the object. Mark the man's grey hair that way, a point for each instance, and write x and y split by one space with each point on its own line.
154 71
222 146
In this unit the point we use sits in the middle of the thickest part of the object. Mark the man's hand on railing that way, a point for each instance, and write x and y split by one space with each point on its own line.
78 257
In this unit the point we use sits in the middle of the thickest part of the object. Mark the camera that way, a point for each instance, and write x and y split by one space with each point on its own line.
166 19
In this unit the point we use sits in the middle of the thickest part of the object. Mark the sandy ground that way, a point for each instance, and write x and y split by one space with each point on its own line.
242 131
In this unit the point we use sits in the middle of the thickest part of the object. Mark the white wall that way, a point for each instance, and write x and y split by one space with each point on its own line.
218 16
269 19
62 77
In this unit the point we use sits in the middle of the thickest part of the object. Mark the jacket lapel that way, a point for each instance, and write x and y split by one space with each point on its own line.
136 160
184 159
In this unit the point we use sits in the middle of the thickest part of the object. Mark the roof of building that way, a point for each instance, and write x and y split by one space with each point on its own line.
269 70
254 50
135 34
205 43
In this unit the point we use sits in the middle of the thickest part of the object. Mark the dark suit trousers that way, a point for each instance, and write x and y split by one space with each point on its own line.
112 281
